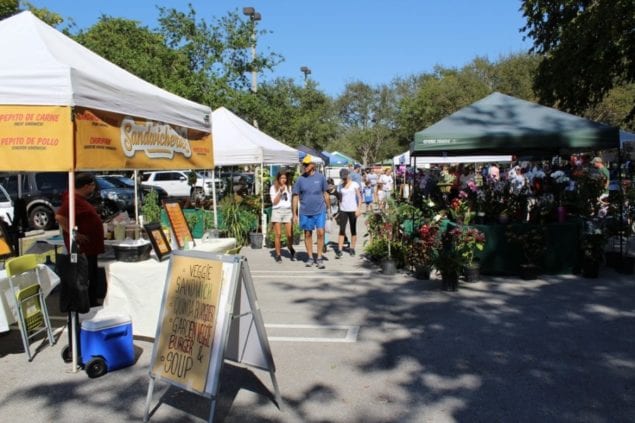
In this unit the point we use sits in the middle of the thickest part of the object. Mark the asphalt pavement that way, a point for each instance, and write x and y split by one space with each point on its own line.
353 345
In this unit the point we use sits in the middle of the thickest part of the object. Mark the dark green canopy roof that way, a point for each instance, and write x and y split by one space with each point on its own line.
500 124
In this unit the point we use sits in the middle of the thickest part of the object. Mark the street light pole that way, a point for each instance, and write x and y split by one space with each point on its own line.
254 17
306 71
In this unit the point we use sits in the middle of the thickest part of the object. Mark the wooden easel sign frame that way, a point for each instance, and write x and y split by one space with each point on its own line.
180 228
159 242
208 303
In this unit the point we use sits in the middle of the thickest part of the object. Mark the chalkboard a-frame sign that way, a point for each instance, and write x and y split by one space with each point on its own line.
209 302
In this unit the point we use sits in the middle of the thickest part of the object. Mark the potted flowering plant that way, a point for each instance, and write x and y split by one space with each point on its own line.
459 209
561 181
448 262
424 249
467 241
592 243
532 243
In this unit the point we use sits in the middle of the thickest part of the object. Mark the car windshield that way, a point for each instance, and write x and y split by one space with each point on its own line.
119 181
126 182
104 184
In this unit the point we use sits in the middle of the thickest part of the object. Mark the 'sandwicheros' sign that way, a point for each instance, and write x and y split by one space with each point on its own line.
111 141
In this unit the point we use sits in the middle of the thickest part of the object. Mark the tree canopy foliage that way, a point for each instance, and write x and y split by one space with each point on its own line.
588 48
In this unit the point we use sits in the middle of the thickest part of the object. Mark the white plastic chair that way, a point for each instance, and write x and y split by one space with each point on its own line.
33 317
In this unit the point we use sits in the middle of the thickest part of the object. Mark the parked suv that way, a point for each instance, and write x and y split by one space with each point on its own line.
42 194
41 191
121 181
175 182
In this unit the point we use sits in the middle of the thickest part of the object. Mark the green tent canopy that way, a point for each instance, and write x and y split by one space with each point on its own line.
501 124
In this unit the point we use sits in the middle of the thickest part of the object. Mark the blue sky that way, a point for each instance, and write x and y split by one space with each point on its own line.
348 40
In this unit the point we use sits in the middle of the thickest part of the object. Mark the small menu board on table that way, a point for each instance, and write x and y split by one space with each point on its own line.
181 230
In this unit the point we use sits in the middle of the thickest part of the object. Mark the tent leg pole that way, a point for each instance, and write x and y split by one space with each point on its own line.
136 196
214 198
263 217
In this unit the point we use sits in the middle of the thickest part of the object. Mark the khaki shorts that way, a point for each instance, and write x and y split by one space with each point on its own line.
281 216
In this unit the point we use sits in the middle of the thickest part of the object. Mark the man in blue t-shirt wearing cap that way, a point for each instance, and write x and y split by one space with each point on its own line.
309 192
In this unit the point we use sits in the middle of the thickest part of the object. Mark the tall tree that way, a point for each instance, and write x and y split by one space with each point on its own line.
367 115
295 115
142 52
218 51
588 48
11 7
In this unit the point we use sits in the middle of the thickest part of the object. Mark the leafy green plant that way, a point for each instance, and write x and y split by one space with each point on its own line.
237 220
150 209
192 219
208 220
376 250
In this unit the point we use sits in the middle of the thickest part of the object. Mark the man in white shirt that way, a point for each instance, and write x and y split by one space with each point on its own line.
388 182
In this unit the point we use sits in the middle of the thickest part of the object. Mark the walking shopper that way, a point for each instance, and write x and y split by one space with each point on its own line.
380 196
387 182
333 209
281 213
90 230
350 210
311 203
368 196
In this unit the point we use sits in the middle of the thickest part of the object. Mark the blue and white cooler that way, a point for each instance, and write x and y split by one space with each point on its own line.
106 343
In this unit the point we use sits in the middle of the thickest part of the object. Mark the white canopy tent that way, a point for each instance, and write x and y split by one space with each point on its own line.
55 89
236 142
404 159
42 66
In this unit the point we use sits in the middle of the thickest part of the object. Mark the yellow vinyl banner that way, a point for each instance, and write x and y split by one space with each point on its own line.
36 138
111 141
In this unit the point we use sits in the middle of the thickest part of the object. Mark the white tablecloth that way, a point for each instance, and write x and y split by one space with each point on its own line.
8 311
136 289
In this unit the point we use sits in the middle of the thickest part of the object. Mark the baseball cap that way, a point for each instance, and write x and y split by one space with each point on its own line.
307 159
344 173
597 160
358 166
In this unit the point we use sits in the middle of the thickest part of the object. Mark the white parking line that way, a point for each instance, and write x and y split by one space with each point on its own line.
351 333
